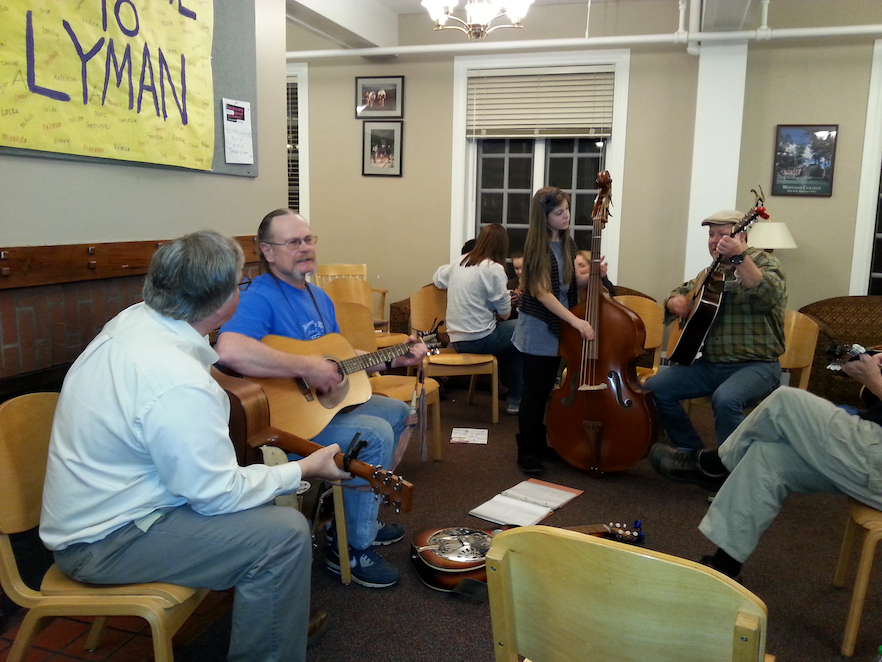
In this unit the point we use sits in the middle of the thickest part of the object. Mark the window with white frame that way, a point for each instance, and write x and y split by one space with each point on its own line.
532 121
509 167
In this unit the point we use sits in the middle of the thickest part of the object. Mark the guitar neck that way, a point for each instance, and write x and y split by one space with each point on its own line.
402 499
365 361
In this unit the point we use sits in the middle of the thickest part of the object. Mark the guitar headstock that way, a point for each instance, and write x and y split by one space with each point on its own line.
757 212
392 489
839 355
431 340
622 533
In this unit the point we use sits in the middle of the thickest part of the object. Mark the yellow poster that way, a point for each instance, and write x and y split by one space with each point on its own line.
115 79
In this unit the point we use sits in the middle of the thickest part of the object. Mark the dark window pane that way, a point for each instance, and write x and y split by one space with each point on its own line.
586 171
493 146
519 208
877 256
583 239
560 172
582 207
520 146
492 173
491 208
588 146
875 286
561 146
520 172
516 239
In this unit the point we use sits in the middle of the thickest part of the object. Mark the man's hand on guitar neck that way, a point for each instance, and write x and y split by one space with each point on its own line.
728 247
321 465
866 370
414 356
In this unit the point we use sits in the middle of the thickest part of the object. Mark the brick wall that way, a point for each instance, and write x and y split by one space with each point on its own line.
49 325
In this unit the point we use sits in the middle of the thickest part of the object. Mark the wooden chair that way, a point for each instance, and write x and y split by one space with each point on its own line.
558 596
355 290
325 273
428 307
355 325
25 424
652 314
864 523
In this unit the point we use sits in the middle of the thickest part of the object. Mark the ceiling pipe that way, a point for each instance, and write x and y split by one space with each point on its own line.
694 48
692 37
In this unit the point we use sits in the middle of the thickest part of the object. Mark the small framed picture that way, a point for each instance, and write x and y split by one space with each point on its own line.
379 97
381 149
804 159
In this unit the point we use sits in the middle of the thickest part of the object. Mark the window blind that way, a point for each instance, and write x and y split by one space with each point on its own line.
563 101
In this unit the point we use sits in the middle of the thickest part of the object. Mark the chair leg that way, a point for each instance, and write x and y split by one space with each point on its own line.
859 593
471 395
852 530
30 626
494 393
437 442
342 536
95 632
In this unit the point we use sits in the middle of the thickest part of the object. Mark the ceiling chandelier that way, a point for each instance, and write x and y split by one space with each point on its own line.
480 15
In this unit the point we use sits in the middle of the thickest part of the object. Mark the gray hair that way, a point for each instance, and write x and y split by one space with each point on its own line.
191 277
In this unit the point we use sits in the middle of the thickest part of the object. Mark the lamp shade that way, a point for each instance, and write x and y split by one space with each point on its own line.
770 236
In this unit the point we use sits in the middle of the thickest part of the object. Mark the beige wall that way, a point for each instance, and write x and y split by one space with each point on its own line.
50 201
400 227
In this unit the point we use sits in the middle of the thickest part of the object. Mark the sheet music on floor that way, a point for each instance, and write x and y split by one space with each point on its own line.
527 503
468 436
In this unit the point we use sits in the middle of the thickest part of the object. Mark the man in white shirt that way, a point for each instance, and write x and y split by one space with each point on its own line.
142 482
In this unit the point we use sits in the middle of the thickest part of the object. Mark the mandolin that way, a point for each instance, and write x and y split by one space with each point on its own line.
706 297
839 355
250 429
295 405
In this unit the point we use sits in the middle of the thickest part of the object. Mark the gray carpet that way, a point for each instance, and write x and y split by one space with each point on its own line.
791 571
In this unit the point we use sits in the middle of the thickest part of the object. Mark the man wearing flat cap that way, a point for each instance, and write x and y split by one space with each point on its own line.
738 365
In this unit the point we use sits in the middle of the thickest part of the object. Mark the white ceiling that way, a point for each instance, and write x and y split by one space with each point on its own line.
414 6
718 14
367 23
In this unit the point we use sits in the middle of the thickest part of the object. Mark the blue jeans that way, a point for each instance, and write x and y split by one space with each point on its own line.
732 387
379 421
498 343
265 552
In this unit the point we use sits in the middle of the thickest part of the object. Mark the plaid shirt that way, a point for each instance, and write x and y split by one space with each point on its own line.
750 323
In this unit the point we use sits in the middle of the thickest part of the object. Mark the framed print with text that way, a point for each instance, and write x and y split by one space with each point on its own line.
804 159
379 97
381 149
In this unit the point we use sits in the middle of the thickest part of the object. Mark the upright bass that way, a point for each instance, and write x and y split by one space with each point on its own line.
601 418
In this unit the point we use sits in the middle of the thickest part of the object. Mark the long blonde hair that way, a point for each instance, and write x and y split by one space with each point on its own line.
537 259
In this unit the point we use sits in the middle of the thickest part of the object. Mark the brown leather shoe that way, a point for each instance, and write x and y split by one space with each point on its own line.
318 621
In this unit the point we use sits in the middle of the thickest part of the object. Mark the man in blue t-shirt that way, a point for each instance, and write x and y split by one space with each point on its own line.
282 302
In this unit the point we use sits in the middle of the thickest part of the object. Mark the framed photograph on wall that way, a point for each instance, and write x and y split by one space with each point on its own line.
379 97
804 159
381 149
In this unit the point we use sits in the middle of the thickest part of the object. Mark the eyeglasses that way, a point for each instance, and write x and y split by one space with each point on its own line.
294 244
244 284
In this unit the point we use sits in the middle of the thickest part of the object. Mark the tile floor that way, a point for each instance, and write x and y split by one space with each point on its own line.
125 639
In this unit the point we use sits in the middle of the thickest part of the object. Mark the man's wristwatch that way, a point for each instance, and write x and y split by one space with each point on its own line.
737 259
388 365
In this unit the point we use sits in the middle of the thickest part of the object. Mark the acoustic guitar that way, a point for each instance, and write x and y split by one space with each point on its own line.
250 429
295 405
443 558
706 296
